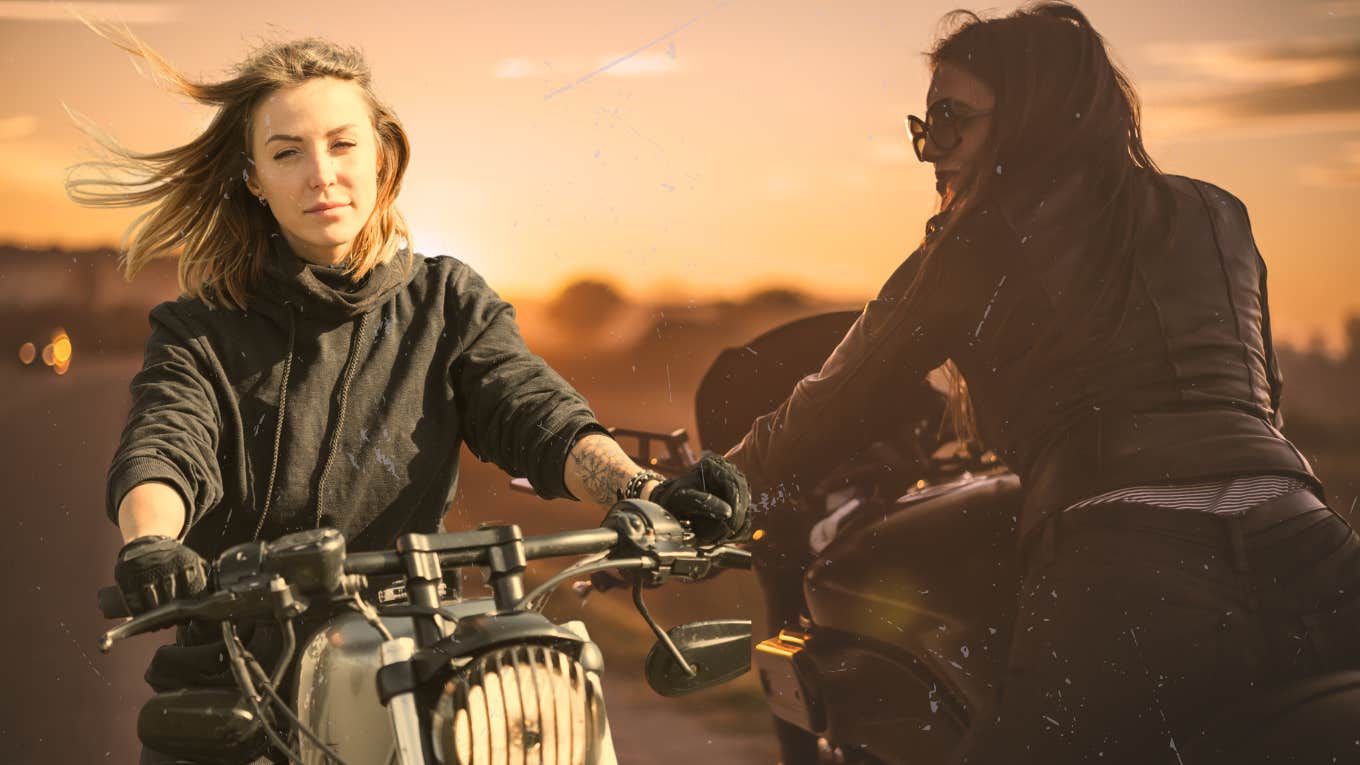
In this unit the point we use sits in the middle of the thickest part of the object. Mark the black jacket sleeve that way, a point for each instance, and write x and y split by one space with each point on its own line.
172 428
896 339
514 409
909 329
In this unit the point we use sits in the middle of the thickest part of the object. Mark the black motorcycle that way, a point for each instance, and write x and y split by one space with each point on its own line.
895 582
401 675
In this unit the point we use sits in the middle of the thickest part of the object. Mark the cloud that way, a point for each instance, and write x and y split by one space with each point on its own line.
1306 86
643 65
131 13
657 64
1344 172
1336 95
667 38
1287 62
1338 9
1257 81
18 126
1292 86
518 68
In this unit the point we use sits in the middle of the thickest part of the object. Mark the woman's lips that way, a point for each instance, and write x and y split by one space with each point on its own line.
326 207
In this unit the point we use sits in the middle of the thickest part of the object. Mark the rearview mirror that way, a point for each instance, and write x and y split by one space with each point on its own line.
718 650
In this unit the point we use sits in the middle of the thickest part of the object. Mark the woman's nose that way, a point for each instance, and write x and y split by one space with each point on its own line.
322 171
930 152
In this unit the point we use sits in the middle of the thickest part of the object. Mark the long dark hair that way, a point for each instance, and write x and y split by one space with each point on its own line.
1061 104
1063 107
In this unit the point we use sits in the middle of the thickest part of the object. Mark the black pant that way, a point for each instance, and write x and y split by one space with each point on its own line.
1136 624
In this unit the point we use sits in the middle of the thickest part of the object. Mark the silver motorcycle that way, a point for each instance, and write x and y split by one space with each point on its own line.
416 679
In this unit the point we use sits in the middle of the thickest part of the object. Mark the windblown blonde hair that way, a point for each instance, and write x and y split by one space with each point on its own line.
201 210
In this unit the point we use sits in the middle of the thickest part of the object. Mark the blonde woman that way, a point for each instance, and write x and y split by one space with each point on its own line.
315 371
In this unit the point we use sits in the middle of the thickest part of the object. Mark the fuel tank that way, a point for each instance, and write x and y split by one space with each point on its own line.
932 577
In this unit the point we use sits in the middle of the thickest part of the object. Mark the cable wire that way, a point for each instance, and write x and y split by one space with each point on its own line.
370 615
288 712
241 673
578 570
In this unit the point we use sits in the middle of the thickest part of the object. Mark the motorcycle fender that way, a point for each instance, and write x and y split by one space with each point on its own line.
475 634
883 702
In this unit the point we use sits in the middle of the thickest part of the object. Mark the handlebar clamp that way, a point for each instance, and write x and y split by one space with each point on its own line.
646 530
644 527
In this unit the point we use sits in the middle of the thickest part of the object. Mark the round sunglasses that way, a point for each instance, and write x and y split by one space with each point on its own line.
943 125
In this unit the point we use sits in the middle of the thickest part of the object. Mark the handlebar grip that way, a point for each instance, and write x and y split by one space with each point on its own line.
111 603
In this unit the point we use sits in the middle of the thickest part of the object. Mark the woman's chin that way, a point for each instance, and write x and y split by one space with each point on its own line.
323 250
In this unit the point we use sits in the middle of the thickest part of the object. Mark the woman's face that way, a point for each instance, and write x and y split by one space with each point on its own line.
315 162
970 102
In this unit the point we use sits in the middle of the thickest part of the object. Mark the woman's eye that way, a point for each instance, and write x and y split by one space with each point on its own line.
344 145
285 153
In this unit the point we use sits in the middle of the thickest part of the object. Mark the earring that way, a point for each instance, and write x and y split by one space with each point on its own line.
263 201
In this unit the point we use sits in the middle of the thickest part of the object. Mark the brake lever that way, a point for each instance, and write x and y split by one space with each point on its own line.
161 617
731 557
698 564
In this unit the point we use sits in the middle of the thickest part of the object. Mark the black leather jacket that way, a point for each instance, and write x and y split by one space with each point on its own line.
1159 368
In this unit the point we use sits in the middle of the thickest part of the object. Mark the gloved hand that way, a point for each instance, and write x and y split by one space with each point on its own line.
713 498
154 570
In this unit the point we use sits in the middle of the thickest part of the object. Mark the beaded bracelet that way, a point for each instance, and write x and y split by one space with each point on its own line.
633 489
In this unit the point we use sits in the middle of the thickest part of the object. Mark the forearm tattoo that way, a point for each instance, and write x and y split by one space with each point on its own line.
602 467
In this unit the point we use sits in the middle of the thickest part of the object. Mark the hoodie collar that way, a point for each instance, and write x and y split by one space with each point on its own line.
326 292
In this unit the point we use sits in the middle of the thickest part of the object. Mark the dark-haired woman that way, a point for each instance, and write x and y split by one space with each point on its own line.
1112 326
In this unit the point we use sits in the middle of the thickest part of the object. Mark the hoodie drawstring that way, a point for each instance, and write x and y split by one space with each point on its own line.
359 333
278 425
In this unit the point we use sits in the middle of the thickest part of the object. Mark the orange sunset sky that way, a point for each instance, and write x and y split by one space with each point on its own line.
709 147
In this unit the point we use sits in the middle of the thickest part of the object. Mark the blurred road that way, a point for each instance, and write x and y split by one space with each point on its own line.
65 702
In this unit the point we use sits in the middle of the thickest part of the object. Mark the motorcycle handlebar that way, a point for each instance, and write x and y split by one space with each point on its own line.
111 603
582 542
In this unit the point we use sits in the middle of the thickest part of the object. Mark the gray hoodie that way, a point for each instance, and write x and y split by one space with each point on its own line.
330 403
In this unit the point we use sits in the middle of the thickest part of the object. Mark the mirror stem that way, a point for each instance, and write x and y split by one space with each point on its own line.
660 634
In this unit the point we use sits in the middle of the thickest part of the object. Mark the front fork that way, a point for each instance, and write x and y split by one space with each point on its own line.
406 727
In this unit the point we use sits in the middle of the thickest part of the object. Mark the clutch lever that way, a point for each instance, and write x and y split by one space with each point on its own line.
258 595
168 615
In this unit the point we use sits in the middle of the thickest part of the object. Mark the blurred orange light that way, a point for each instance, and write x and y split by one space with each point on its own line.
47 355
61 349
61 367
27 352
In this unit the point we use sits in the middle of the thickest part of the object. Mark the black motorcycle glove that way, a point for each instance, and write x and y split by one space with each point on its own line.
713 498
154 570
